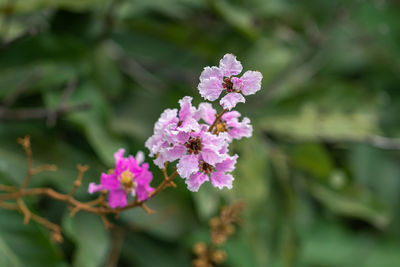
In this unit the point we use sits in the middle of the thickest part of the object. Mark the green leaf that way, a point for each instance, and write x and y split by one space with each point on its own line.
37 5
207 201
169 222
237 17
312 125
90 236
312 158
7 256
21 244
354 204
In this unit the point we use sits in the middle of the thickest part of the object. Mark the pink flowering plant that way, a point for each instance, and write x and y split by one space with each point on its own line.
197 139
128 178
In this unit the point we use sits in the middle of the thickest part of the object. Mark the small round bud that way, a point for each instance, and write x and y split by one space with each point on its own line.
218 256
200 262
215 222
218 238
230 229
200 248
56 237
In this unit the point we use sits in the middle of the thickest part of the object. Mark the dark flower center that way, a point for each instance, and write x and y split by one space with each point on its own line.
194 145
205 167
228 85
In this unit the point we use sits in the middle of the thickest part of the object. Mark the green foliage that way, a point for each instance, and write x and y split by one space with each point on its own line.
320 176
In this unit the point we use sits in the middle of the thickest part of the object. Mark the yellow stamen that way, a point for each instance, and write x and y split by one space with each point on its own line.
127 179
220 127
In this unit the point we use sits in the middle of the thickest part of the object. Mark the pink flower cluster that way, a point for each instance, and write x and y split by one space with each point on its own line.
128 178
196 137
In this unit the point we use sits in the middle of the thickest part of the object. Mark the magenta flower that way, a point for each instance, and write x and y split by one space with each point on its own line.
219 174
228 123
214 80
128 177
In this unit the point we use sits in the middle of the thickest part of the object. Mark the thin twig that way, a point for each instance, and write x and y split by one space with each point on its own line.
78 181
217 118
24 86
52 117
7 188
26 144
22 207
117 241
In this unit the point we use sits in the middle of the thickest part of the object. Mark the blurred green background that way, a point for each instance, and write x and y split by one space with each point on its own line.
321 175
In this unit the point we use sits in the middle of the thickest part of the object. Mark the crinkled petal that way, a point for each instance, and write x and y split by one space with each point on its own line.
139 157
95 188
210 89
132 165
143 192
160 160
110 181
174 153
153 144
189 125
230 100
169 116
231 115
212 141
196 180
228 165
229 65
221 180
211 156
208 73
187 109
119 154
187 165
241 129
117 198
207 112
251 82
143 188
236 83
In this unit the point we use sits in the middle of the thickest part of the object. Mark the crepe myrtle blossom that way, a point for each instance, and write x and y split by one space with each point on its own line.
170 120
130 177
219 174
214 80
229 122
193 148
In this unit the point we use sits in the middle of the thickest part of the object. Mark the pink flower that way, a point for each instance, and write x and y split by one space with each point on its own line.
199 147
128 177
169 128
190 148
228 123
169 121
219 174
214 80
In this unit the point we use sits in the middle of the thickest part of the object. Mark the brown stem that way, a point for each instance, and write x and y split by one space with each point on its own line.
78 182
26 144
217 118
